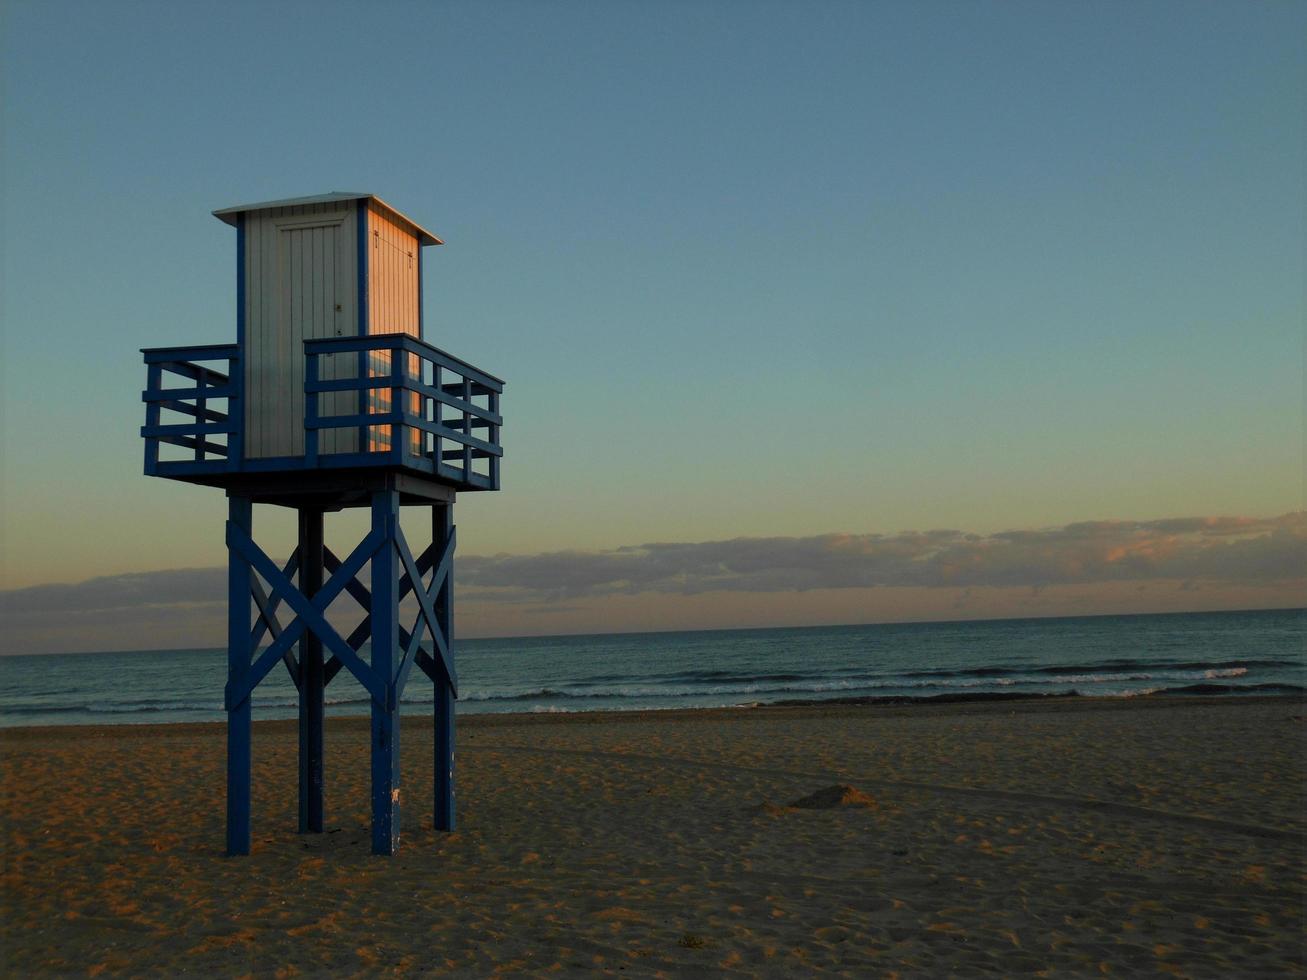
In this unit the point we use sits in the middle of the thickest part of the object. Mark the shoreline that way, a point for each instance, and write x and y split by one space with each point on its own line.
1195 693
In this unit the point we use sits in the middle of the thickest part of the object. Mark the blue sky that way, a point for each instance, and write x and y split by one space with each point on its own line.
750 269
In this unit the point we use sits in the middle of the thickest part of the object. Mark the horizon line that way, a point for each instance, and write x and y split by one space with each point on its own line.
734 629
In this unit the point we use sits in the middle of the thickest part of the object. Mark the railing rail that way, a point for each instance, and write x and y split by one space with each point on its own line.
405 389
208 384
394 401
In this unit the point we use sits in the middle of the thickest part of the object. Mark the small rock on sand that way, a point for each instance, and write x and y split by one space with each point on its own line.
834 798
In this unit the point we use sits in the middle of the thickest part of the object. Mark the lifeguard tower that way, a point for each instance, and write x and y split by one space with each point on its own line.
330 398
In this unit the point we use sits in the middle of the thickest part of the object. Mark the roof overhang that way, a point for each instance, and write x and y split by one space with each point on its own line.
335 197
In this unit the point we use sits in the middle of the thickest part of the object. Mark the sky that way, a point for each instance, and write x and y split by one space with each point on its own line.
809 313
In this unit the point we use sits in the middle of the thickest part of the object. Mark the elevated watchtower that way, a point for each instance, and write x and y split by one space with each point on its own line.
330 398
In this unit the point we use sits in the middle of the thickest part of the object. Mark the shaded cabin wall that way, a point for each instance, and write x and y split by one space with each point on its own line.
392 307
301 277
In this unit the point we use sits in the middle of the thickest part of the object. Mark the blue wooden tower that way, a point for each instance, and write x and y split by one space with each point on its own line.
329 399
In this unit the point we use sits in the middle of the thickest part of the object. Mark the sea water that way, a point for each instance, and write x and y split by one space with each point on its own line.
1214 654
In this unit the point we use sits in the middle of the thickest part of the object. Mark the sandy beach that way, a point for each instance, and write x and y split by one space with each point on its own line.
1067 838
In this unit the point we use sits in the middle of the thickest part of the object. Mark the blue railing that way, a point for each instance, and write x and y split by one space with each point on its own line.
384 400
202 385
409 404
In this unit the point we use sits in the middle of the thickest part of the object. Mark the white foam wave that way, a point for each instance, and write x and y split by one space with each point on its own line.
650 692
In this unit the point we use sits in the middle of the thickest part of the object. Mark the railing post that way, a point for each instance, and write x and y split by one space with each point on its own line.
364 398
153 383
415 437
201 410
467 429
310 409
235 410
494 441
436 447
398 400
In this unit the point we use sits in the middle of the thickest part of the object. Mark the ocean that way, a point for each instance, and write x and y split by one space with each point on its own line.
1214 654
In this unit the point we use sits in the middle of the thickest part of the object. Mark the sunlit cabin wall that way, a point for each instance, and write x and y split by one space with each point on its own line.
301 274
392 275
392 307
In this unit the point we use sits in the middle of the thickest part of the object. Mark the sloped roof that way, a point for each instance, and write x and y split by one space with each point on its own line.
424 237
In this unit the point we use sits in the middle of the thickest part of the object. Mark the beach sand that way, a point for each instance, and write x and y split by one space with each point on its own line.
1065 838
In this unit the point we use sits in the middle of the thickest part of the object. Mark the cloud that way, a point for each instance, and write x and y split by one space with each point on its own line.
1212 550
140 590
1228 550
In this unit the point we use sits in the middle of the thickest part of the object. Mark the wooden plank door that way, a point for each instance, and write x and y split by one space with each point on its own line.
311 306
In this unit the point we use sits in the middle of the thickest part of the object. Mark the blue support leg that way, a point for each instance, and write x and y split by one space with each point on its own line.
444 817
442 529
240 513
385 643
311 678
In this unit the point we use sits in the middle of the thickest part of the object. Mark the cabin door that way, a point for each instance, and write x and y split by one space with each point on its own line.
311 306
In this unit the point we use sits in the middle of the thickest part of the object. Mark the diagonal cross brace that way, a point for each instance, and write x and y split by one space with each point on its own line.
354 587
409 645
309 614
444 569
412 643
363 597
434 670
268 619
425 600
416 653
359 592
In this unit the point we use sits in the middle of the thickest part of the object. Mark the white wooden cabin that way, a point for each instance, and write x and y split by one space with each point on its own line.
334 265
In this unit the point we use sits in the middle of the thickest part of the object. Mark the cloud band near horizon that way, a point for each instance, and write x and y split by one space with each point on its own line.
1229 550
1210 549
